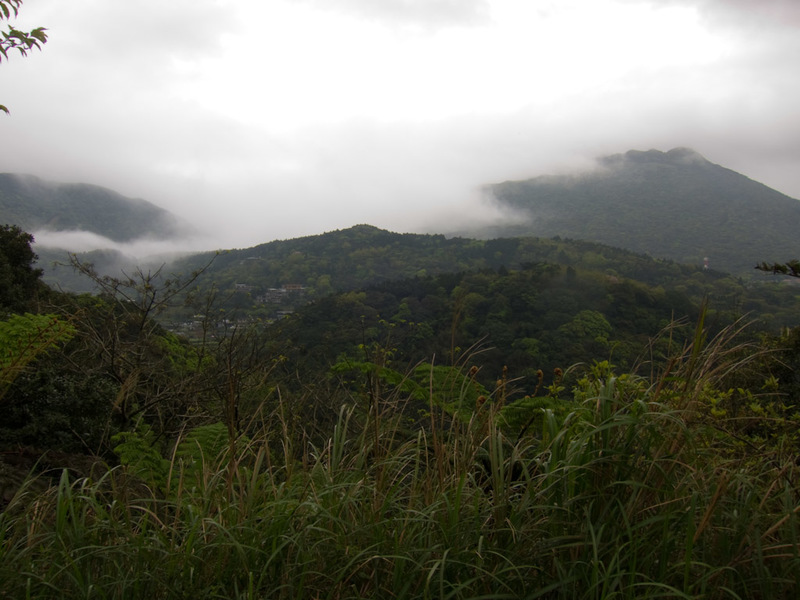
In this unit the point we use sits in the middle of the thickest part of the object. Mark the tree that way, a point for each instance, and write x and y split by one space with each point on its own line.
15 39
19 280
791 268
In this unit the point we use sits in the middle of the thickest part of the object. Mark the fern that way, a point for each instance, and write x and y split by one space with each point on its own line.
202 446
199 451
447 387
137 451
23 338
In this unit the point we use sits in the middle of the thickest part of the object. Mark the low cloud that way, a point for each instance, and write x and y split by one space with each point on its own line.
84 241
319 115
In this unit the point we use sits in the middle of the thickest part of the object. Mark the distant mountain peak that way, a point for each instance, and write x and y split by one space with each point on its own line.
680 155
683 154
674 204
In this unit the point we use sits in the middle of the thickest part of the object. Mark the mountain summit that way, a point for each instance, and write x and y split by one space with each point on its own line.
679 156
676 205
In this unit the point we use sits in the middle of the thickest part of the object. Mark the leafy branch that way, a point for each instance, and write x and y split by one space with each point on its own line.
791 268
16 39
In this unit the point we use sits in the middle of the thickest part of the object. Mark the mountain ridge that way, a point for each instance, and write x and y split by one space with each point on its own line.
676 205
35 204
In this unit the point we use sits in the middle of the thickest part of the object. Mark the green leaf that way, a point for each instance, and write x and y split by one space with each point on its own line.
39 34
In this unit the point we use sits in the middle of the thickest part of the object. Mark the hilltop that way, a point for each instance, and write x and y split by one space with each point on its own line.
676 205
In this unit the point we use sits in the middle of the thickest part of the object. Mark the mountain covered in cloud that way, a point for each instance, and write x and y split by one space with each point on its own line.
38 205
111 231
675 205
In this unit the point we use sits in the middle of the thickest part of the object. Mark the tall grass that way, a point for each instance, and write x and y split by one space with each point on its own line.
631 491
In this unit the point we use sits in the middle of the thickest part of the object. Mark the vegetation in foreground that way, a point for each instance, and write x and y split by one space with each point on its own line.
209 476
633 488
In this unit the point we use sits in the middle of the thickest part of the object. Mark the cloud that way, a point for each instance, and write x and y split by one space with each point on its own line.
270 120
138 30
425 14
744 13
85 241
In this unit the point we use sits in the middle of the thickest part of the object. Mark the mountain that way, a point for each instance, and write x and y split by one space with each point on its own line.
364 255
35 204
675 205
271 279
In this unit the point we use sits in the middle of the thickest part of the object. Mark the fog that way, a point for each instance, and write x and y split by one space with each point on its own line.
85 241
270 120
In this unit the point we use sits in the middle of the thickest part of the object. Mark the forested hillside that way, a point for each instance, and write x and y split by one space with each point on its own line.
540 317
362 256
513 417
33 204
674 205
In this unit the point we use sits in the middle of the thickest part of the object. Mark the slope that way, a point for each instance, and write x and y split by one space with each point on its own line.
35 204
674 205
364 255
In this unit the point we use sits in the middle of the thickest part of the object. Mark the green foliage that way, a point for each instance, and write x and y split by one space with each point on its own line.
15 39
791 268
323 264
447 388
620 493
633 293
446 453
137 450
23 338
19 280
528 320
54 408
161 377
201 450
527 415
381 256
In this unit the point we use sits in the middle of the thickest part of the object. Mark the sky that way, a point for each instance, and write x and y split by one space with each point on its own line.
270 119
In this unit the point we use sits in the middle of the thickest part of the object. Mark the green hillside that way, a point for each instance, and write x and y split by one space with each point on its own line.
34 204
519 431
364 256
674 205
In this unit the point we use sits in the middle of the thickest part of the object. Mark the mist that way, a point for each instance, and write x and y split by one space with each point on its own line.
259 121
149 249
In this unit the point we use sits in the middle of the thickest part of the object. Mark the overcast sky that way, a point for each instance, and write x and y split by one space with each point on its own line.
270 119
